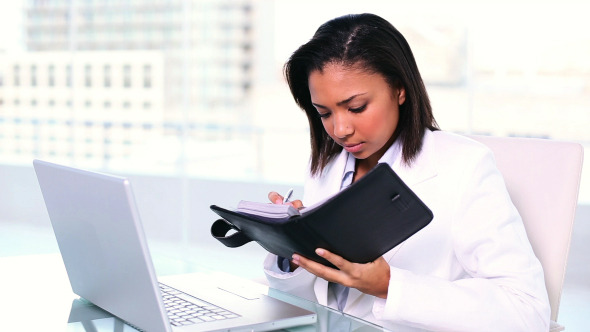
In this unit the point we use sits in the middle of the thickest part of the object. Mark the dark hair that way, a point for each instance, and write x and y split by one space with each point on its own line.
371 43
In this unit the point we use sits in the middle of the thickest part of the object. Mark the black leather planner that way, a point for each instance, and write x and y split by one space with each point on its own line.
360 223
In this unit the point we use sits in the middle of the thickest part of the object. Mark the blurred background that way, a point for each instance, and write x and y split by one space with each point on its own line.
187 99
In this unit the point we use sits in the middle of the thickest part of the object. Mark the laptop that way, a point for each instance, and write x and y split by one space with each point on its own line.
105 253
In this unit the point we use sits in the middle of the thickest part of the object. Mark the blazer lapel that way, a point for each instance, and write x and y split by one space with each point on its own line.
423 167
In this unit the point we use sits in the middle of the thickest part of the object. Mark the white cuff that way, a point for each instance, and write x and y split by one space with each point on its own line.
386 309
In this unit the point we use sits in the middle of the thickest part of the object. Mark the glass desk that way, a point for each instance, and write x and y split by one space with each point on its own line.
35 295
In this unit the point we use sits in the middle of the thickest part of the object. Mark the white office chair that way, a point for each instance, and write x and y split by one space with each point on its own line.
543 179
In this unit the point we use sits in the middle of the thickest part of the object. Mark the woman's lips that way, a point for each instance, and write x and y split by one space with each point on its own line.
353 148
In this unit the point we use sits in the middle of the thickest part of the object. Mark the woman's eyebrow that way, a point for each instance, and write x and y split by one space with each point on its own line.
345 101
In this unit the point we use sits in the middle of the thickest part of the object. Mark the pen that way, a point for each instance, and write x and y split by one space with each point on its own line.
288 195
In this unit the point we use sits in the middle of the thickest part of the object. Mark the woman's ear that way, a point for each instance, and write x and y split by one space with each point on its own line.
401 95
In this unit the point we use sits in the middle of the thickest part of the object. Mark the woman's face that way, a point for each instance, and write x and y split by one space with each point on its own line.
359 110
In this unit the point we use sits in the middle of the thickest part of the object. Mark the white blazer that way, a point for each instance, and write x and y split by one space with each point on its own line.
471 269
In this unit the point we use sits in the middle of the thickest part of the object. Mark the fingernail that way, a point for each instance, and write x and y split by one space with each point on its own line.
320 252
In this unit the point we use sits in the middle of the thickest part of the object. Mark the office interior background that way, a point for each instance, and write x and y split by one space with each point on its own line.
187 99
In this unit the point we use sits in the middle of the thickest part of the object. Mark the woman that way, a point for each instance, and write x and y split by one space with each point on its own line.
472 268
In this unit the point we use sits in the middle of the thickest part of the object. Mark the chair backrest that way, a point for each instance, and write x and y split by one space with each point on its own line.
543 179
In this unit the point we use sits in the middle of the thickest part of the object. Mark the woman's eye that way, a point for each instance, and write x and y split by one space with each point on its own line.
324 115
358 109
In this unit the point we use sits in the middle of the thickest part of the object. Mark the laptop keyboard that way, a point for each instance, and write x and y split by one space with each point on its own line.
184 309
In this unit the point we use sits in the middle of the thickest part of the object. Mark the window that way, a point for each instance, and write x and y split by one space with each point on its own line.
16 75
147 76
68 70
88 76
127 76
215 93
107 76
33 75
51 75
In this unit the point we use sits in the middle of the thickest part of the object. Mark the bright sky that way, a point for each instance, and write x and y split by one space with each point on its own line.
10 25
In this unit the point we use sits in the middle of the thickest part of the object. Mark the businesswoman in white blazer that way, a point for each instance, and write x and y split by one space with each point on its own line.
472 268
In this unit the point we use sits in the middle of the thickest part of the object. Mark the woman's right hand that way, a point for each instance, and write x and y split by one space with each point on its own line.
276 198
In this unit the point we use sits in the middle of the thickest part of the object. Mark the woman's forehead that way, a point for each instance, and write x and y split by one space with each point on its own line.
337 83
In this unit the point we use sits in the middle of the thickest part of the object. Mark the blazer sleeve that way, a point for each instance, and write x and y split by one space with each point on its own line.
503 289
299 282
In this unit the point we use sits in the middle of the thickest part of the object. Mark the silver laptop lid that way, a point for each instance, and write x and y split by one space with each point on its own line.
102 243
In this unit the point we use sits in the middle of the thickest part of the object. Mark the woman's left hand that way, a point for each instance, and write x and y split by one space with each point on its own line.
370 278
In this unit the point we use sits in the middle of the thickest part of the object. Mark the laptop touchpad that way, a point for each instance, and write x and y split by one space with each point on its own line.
241 291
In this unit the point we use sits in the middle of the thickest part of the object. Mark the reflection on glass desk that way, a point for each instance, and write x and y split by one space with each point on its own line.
35 295
85 316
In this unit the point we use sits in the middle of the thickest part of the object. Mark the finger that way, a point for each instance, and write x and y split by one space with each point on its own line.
275 197
338 261
320 270
314 267
297 204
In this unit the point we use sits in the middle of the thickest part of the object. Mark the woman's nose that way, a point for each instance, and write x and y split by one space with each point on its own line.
342 126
